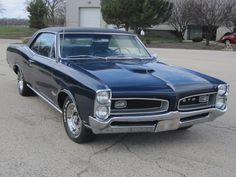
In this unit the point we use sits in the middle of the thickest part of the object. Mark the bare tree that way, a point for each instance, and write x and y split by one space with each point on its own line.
234 18
213 14
181 16
56 12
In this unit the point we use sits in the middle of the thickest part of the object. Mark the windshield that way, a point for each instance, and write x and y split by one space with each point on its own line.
101 45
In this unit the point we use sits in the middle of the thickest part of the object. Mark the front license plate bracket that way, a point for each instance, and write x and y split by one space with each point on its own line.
168 125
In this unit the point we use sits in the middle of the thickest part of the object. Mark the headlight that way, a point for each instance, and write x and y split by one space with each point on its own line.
102 105
103 97
221 103
222 90
102 112
221 98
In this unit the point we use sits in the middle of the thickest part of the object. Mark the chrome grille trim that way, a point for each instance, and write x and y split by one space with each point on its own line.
163 108
198 106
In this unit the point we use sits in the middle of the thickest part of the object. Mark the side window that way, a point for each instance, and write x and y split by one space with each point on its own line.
45 45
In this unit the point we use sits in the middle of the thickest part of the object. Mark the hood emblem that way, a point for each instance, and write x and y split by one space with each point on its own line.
120 104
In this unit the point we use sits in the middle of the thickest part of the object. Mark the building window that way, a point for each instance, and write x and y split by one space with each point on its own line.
199 31
194 31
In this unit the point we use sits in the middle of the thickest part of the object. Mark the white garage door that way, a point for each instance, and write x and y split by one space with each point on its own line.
90 17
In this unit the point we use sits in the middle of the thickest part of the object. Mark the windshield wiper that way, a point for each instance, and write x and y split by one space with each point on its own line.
84 57
75 57
119 56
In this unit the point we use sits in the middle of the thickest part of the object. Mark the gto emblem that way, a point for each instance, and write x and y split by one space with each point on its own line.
204 99
120 104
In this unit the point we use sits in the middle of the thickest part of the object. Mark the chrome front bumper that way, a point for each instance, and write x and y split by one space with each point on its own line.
162 121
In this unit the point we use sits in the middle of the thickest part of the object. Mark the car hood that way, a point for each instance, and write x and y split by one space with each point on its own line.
143 75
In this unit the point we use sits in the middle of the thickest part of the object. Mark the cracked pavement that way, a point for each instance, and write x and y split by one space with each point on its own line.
33 141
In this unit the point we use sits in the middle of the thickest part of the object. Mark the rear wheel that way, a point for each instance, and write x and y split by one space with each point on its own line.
23 89
74 126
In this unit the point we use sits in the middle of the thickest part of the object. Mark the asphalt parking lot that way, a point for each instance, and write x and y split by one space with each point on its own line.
33 142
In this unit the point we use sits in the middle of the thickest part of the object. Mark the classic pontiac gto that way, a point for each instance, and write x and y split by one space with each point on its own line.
106 81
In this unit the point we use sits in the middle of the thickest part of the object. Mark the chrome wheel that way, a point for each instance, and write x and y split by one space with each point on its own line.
23 89
73 120
21 84
227 42
20 81
74 126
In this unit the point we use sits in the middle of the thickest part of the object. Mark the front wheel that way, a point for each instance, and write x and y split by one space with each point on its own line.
227 42
74 126
23 89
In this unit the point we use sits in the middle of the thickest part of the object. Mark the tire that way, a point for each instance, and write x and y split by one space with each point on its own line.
227 42
73 124
23 89
186 128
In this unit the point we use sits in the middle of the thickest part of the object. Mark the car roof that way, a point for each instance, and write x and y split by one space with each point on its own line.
89 30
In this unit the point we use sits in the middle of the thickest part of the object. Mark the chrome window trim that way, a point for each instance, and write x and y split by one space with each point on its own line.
124 34
138 111
37 54
192 109
145 48
99 33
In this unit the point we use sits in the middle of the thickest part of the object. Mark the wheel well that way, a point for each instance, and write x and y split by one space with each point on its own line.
15 69
61 99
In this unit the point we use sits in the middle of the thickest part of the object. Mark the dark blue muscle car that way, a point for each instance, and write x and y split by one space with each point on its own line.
105 81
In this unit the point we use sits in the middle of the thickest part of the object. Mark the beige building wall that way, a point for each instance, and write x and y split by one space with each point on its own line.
221 31
73 16
73 11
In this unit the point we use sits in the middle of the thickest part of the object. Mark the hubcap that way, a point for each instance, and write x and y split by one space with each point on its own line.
73 119
20 82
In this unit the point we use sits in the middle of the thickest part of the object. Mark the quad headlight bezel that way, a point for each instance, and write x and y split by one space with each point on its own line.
222 96
102 106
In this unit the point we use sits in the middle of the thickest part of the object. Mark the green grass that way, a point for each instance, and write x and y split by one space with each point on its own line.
16 32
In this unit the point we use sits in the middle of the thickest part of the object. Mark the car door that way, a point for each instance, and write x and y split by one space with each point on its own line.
234 39
42 64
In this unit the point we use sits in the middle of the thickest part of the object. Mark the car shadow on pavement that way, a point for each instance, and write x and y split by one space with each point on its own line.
171 137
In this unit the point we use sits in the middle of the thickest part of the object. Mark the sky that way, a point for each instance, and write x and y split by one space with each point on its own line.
14 9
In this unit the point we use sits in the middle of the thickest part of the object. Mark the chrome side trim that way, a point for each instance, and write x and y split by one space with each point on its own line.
164 105
45 99
103 127
192 109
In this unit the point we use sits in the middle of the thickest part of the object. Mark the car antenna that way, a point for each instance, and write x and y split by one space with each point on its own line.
63 32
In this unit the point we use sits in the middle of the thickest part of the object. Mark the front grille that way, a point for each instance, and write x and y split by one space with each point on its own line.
195 102
138 105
